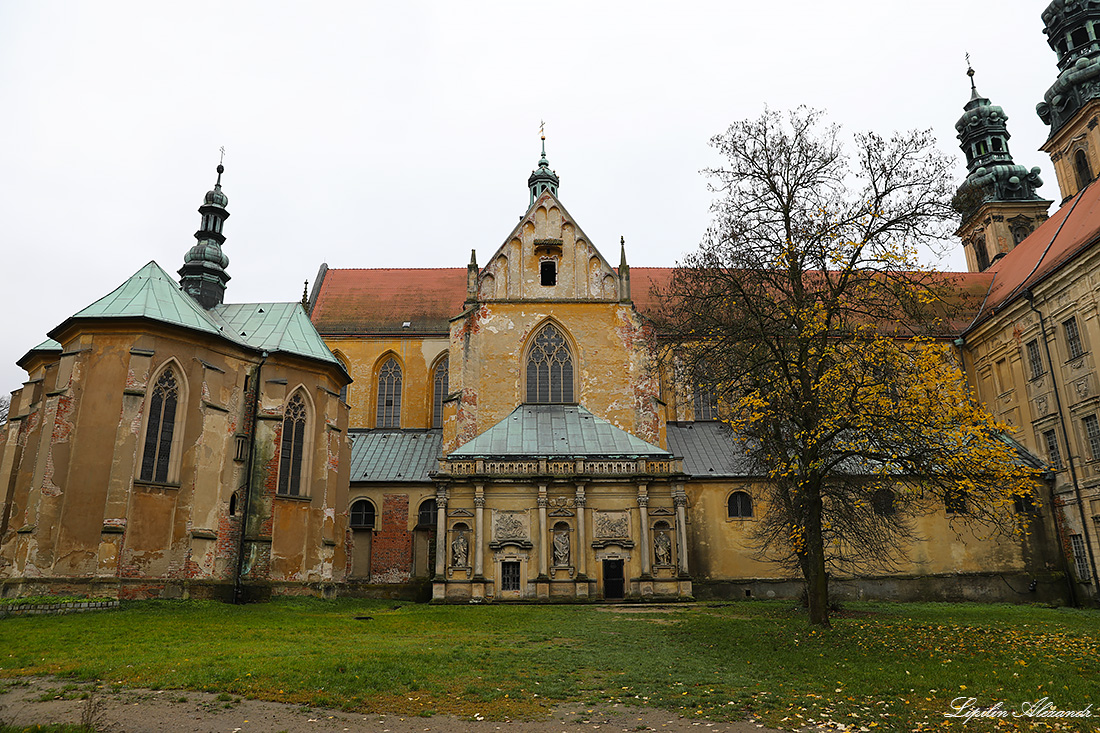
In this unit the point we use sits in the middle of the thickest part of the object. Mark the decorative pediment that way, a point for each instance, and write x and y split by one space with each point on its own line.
460 513
661 511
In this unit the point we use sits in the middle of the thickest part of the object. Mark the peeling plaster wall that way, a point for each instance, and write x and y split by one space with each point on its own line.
76 509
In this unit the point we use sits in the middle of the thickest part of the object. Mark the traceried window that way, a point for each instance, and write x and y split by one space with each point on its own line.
1073 338
160 427
549 368
293 447
389 395
362 514
739 505
1035 359
439 391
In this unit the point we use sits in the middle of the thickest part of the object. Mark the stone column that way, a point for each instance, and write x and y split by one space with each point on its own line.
582 535
479 530
544 567
441 533
643 514
679 498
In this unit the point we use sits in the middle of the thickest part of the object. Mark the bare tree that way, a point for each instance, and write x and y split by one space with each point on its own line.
815 327
5 405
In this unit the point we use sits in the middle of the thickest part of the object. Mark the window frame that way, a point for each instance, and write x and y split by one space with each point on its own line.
175 444
737 507
373 514
1091 426
1080 558
511 580
1054 450
1035 359
294 466
567 390
440 391
421 512
389 415
1075 346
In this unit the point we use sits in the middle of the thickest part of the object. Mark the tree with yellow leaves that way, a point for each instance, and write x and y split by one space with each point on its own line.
806 312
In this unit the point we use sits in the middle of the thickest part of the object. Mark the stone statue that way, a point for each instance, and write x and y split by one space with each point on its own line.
561 548
662 548
460 550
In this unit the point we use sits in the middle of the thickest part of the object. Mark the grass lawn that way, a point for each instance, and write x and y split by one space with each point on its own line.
882 666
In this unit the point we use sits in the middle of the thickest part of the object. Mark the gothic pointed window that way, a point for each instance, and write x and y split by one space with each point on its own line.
293 447
389 395
549 368
439 391
160 428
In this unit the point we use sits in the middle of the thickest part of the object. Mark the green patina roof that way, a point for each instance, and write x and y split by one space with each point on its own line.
273 327
151 293
555 430
49 346
395 455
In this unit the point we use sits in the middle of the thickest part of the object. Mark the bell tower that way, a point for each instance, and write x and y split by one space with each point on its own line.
1071 107
997 201
203 274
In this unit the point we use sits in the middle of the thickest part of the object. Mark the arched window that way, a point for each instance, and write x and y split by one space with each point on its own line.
427 515
293 447
739 505
1084 170
362 514
389 395
344 363
980 253
160 428
439 391
882 502
705 409
549 368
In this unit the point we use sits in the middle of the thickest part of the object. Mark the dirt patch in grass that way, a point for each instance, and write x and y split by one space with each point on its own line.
38 700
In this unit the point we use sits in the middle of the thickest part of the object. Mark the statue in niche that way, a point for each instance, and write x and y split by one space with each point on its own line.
561 548
460 550
662 548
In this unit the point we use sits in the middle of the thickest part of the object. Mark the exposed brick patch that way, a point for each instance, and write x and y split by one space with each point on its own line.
391 546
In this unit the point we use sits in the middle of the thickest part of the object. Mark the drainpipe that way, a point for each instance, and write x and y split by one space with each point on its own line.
1030 297
238 587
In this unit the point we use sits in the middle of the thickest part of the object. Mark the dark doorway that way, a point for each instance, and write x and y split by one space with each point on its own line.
612 579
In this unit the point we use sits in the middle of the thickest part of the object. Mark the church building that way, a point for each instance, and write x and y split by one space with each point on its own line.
505 431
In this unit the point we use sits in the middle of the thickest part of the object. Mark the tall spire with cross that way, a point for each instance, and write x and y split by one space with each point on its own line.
542 179
203 275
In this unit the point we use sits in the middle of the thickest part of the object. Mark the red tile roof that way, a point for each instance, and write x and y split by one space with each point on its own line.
381 301
1072 229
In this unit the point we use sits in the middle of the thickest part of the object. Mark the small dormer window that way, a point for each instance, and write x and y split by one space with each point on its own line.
548 270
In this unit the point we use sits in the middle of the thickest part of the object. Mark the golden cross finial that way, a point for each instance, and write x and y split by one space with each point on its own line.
222 158
542 127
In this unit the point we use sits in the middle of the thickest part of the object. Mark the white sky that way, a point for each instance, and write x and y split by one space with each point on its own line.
401 134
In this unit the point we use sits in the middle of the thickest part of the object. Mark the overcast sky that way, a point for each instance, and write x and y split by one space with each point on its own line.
401 134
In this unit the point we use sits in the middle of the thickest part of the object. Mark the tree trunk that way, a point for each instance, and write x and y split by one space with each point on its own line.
817 581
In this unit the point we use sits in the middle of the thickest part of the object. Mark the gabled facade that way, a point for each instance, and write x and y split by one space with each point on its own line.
554 458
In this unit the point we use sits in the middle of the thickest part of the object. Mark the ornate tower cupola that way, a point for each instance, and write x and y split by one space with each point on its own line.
542 179
997 201
1072 104
203 274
